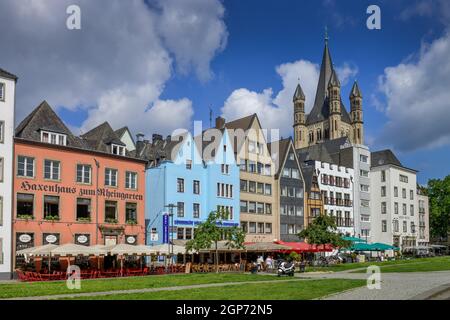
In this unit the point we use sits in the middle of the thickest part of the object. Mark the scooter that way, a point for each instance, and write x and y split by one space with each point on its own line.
286 268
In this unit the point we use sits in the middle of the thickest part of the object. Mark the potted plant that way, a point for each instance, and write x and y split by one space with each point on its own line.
88 219
111 221
25 217
51 218
132 222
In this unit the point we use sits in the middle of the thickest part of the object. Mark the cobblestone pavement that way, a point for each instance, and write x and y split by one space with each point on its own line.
394 286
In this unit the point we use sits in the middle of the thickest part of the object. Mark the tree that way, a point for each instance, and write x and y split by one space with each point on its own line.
212 231
322 231
438 192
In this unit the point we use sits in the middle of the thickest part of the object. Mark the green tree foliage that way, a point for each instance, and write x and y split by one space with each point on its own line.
438 192
211 231
323 230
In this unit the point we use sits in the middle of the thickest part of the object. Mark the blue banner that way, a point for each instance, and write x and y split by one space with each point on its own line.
166 228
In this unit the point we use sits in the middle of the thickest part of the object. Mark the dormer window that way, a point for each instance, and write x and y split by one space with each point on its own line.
53 138
117 150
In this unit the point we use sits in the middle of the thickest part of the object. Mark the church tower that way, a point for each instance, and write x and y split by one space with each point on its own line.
356 114
299 119
334 100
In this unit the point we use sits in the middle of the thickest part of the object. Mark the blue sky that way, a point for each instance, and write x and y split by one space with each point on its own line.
225 56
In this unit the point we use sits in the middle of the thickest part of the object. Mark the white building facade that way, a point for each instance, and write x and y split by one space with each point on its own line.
335 183
424 219
361 192
7 105
394 201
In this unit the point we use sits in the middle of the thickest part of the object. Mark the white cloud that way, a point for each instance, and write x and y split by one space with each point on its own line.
439 9
417 95
119 62
346 72
277 112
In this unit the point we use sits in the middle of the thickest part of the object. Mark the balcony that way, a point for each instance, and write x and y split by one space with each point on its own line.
343 222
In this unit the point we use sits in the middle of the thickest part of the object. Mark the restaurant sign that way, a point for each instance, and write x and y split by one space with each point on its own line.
50 238
24 241
83 239
131 240
166 228
81 192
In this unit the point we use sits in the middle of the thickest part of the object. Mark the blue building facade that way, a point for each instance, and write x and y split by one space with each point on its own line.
194 185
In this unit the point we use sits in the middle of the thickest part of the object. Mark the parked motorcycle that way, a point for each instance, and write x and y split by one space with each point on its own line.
286 268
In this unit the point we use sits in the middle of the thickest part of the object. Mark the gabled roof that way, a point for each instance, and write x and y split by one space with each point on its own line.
120 132
242 123
159 150
280 156
101 137
329 151
308 173
321 109
7 75
44 118
384 157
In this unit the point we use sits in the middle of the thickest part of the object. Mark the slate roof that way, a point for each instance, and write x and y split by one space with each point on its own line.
299 94
159 150
308 173
321 109
7 75
384 157
330 151
243 124
280 156
355 92
44 118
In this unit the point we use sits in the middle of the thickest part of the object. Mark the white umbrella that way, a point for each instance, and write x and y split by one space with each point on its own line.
76 250
126 249
45 250
163 249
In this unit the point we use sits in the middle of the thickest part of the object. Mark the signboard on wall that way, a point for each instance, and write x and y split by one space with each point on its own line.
50 238
132 240
166 228
24 241
154 237
83 239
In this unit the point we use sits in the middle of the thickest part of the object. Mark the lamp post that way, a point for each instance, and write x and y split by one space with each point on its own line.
97 165
171 207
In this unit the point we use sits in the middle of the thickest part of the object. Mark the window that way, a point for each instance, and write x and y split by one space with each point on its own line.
299 193
295 174
260 188
244 206
2 131
251 146
283 228
403 178
117 150
267 169
180 233
268 228
188 164
383 176
404 209
365 203
284 210
188 234
1 211
364 188
411 194
51 207
411 210
404 193
252 207
364 173
110 211
196 187
2 91
180 185
395 207
131 212
25 167
111 177
286 172
25 205
225 169
244 185
243 165
260 208
53 138
395 191
383 226
268 208
383 191
180 209
2 161
196 210
383 207
84 173
291 192
252 186
252 227
252 166
291 156
298 211
259 167
260 227
405 226
1 251
396 227
131 180
244 226
83 209
413 227
363 158
51 169
268 189
365 218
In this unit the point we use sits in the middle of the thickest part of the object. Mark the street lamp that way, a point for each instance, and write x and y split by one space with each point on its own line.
171 207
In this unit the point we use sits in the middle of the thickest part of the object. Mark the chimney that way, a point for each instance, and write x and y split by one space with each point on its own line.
156 138
220 123
139 143
140 137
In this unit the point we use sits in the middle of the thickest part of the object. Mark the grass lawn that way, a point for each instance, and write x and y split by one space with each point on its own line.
421 264
288 290
22 289
418 265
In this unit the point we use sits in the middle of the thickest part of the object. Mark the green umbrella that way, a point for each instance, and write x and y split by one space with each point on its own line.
383 247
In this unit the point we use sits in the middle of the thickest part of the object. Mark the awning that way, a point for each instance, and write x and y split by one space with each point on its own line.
163 249
264 246
382 247
38 251
126 249
77 250
301 247
354 239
